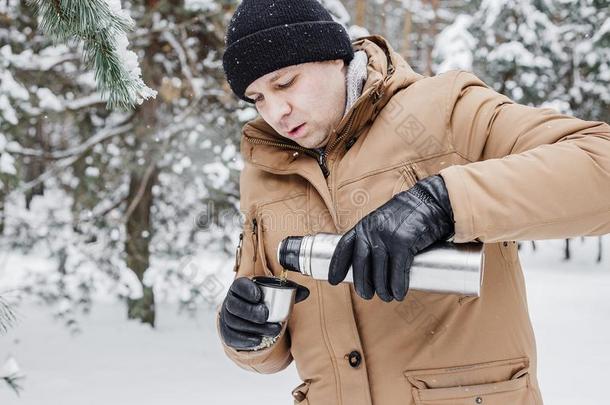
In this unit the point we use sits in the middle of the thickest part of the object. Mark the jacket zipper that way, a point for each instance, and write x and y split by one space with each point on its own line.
254 238
323 165
322 158
238 252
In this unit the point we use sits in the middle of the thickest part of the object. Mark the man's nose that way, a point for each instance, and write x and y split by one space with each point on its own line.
280 109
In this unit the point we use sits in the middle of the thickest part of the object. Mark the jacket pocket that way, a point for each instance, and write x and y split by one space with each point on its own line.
258 239
275 221
249 253
300 393
501 382
409 175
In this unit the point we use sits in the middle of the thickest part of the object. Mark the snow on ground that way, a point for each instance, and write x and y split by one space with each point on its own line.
121 363
570 310
124 363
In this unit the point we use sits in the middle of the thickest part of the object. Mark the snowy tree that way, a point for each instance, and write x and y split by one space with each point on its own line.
410 26
423 20
584 35
9 372
514 48
552 53
118 198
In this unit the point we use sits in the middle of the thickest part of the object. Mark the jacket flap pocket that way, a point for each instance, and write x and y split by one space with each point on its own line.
469 391
409 175
249 254
275 221
472 374
259 243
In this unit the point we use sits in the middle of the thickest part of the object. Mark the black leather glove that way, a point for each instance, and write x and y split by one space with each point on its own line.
243 316
381 246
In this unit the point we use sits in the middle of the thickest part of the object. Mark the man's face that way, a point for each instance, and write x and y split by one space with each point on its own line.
302 102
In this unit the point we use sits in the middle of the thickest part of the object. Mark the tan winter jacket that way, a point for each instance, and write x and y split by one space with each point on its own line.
513 173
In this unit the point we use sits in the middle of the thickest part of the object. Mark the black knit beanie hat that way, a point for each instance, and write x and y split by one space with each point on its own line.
267 35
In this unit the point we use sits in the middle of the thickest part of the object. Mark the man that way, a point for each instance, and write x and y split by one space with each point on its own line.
350 140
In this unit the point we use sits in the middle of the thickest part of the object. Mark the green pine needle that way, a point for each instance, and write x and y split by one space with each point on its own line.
7 316
13 382
97 26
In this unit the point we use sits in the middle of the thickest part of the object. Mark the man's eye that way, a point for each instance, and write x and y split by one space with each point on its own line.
286 84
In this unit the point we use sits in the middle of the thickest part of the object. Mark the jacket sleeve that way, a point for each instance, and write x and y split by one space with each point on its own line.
533 173
269 360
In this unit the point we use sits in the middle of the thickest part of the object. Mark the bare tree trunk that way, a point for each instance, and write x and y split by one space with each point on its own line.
361 13
139 231
599 249
567 250
382 21
406 34
432 33
2 215
81 196
142 180
533 243
35 167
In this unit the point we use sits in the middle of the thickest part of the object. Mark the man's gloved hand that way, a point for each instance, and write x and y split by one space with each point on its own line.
381 246
243 316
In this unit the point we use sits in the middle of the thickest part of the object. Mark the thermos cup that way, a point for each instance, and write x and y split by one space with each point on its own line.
278 296
443 267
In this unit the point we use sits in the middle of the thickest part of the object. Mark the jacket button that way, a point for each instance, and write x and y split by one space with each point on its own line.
355 358
478 400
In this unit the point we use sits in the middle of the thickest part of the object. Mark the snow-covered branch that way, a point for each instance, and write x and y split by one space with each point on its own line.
101 136
7 316
184 64
101 26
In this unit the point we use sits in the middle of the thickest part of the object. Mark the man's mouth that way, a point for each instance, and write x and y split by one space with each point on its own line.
296 131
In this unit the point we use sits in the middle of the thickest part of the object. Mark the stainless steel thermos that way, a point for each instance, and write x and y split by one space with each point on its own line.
443 267
278 296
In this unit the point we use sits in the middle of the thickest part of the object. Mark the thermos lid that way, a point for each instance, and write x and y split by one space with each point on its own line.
288 253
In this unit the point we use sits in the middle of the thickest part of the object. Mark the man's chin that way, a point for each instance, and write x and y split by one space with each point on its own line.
318 144
308 141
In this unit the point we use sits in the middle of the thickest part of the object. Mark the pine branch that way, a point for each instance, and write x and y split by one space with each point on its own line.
101 136
13 382
11 375
102 31
7 316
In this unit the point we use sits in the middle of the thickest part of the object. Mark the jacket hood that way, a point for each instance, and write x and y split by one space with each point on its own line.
387 72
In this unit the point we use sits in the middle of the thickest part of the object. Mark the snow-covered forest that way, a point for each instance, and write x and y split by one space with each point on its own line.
119 220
